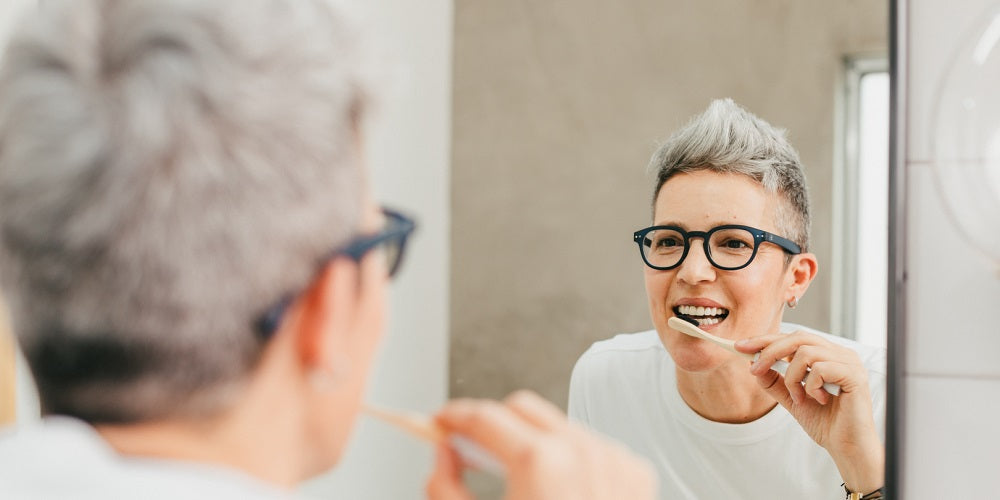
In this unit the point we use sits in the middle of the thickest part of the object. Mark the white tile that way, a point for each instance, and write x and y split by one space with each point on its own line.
953 291
937 29
950 438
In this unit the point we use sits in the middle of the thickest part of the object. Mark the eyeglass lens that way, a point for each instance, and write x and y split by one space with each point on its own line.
726 248
393 251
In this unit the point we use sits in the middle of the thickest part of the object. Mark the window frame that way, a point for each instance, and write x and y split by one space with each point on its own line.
844 293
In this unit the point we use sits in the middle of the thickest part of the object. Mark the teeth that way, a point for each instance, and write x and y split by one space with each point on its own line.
701 311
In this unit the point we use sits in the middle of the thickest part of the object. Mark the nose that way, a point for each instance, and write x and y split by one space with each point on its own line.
696 268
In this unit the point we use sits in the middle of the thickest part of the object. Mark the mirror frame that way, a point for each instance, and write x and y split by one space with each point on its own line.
896 328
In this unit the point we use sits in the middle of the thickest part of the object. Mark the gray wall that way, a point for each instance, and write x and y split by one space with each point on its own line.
556 108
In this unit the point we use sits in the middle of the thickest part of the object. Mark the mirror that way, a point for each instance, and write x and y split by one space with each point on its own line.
556 111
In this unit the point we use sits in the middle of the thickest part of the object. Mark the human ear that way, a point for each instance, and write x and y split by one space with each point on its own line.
800 273
321 319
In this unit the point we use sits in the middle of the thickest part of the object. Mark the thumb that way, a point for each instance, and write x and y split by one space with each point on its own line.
774 385
445 482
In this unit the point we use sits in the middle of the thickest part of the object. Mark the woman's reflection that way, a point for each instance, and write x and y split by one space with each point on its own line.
729 251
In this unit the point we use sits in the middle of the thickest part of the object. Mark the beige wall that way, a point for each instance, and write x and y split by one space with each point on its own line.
557 107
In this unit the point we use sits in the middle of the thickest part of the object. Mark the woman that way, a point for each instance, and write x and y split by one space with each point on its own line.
728 250
196 271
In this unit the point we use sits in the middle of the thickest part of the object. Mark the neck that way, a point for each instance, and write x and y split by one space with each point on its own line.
727 394
194 442
261 435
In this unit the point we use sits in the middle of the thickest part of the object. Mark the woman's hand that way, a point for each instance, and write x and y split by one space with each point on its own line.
843 424
545 455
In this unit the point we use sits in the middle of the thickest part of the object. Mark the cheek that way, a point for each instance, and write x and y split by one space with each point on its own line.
656 282
657 288
757 293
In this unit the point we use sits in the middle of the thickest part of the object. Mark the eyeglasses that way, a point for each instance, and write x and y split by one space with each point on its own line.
728 247
392 240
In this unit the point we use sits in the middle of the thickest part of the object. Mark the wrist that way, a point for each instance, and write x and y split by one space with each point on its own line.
865 476
878 494
863 469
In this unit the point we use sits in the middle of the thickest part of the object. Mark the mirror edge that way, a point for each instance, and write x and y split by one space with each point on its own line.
896 327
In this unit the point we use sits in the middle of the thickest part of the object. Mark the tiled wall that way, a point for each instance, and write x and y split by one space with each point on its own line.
952 378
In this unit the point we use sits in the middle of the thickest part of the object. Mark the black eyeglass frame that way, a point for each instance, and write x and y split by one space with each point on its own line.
397 227
759 236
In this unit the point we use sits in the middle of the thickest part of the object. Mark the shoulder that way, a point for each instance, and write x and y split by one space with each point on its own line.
59 457
625 345
29 451
35 440
622 352
611 371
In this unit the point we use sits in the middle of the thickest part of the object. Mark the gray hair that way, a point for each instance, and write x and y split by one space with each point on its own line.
168 171
729 139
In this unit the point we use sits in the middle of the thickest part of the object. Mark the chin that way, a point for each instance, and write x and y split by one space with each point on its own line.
690 354
323 461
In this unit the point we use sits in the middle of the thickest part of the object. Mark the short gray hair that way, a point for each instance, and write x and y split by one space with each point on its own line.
168 170
729 139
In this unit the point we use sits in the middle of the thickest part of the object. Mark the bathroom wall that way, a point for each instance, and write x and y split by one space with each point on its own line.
557 108
952 338
408 147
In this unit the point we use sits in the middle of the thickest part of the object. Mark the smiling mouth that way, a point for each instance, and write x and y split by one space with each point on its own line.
704 316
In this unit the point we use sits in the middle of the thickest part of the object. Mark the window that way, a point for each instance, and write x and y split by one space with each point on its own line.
861 194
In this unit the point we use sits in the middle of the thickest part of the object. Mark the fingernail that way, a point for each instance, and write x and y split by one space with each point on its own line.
742 342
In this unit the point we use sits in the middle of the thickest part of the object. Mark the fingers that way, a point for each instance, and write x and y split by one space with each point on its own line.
544 454
813 385
492 425
773 383
794 374
800 348
445 482
756 344
536 410
812 361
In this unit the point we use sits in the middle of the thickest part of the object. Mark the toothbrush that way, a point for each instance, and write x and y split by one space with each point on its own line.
779 366
424 428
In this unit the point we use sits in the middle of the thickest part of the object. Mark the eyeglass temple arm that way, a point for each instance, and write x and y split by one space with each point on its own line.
785 243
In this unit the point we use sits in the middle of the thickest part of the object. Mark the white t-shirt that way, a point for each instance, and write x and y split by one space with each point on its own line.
626 388
61 458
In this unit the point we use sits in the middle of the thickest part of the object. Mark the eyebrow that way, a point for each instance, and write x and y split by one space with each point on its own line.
683 226
670 223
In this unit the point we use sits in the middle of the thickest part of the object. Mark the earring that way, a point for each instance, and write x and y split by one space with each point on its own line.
327 377
792 302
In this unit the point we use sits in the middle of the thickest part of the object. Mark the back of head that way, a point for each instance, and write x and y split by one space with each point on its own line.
729 139
169 170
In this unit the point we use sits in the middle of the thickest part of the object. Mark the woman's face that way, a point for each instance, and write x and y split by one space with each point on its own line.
750 299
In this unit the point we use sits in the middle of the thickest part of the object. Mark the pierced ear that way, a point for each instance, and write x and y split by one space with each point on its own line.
801 272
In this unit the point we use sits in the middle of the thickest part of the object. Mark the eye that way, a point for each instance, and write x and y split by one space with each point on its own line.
669 242
733 241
